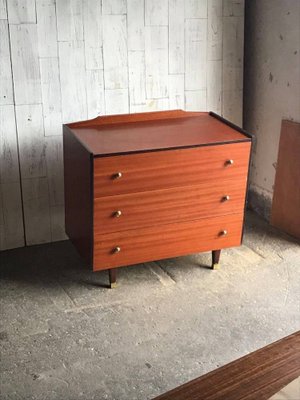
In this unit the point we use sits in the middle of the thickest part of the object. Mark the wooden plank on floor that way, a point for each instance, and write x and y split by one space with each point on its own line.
257 375
285 213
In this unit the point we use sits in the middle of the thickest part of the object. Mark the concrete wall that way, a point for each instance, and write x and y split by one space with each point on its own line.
271 86
68 60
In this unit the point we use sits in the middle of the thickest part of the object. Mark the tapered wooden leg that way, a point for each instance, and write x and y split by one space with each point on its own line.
112 277
215 259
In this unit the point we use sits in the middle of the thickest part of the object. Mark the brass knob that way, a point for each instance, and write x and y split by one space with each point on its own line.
225 198
118 175
223 233
229 162
117 214
117 249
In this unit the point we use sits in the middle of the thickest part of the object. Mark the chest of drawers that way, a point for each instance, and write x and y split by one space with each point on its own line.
148 186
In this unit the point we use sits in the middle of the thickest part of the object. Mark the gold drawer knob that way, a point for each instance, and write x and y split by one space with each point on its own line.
229 162
117 214
223 233
117 175
117 249
225 198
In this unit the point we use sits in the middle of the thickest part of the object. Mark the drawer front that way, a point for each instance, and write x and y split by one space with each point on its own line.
166 169
171 240
138 210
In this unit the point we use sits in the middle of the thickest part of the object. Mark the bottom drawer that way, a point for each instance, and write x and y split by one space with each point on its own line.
163 241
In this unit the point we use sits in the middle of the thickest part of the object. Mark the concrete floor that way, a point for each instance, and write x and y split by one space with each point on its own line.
63 335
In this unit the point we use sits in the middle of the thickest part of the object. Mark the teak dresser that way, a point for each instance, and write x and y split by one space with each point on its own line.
148 186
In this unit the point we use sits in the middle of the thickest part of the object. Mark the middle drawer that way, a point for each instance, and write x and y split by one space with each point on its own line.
137 210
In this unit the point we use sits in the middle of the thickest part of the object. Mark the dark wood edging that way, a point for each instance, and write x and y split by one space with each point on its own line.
257 376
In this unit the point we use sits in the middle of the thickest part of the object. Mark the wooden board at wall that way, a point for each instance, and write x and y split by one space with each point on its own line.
286 199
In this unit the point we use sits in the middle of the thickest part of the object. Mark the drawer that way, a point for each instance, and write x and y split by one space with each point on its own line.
138 210
165 169
163 241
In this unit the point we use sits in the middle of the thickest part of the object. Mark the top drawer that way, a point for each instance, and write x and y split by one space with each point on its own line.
171 168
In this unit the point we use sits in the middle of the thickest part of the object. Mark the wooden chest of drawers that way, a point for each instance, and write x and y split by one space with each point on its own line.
148 186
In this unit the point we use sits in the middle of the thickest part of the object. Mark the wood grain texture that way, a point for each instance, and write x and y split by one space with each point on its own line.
72 77
285 213
156 60
165 206
214 86
11 218
69 20
195 100
78 194
31 141
232 75
214 30
166 169
36 210
21 11
196 9
93 42
114 7
156 12
176 37
51 96
163 241
9 161
54 163
137 117
137 89
25 64
195 54
115 51
258 375
6 83
116 100
46 28
3 9
95 92
104 137
135 24
176 91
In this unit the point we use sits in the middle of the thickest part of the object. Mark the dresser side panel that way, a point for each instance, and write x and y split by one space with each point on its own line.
78 180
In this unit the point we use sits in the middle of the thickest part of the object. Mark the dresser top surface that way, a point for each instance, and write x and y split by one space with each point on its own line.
131 133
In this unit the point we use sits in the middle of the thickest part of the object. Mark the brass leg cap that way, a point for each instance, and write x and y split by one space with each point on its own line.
113 285
215 266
